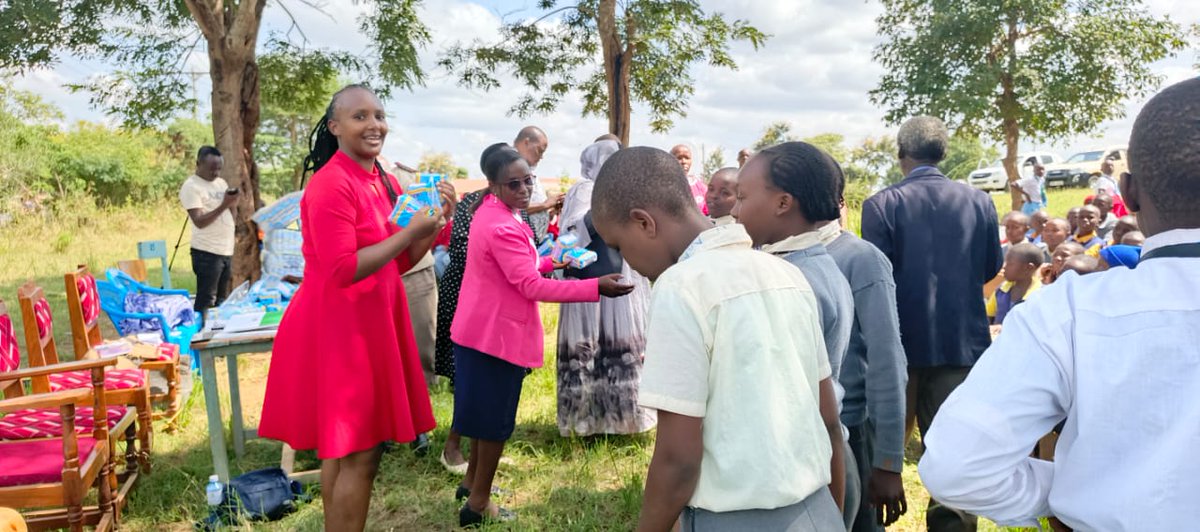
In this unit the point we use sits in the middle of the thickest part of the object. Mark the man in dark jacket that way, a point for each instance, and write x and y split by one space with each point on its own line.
943 240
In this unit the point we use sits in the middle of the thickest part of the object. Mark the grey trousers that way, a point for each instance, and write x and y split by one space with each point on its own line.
817 513
420 287
853 498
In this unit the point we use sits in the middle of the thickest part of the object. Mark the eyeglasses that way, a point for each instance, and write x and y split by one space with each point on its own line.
516 185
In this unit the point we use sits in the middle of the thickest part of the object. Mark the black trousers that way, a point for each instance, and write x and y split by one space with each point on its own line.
931 387
212 278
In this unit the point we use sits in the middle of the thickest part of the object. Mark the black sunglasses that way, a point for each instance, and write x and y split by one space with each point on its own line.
516 185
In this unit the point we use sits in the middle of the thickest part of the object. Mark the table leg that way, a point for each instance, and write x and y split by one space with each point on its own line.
235 402
212 409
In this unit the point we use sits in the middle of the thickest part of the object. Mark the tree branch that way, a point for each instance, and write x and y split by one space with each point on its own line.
296 25
559 10
207 16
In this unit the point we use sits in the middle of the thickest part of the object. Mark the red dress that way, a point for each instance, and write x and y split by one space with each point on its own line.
345 372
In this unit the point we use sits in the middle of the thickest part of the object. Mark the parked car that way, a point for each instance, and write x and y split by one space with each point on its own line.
1079 169
992 177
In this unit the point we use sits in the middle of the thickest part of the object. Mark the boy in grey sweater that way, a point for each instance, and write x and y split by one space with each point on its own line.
874 374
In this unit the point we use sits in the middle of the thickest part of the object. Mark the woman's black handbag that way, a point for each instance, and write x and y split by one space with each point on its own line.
608 260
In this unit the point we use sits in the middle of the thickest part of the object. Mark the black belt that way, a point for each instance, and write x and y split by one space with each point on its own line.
1181 251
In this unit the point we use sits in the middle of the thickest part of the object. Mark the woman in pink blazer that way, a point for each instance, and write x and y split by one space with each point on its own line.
497 331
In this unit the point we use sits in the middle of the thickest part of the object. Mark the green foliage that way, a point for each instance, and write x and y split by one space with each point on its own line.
440 163
831 143
874 162
295 87
663 39
714 161
149 42
1052 68
40 163
775 133
963 155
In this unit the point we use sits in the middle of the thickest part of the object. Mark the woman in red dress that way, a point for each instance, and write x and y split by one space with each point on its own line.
345 374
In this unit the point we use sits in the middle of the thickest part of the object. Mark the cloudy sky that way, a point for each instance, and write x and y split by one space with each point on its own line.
814 72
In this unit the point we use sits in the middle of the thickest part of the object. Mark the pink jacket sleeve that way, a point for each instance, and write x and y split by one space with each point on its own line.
545 265
514 255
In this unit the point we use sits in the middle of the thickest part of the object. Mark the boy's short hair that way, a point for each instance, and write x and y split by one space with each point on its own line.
1162 150
729 171
1027 252
640 178
206 152
1082 264
1019 216
1071 244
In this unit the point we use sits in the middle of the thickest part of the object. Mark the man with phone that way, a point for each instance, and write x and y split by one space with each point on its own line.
211 206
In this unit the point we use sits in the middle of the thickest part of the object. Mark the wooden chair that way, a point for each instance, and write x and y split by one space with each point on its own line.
40 423
83 306
123 386
136 268
57 473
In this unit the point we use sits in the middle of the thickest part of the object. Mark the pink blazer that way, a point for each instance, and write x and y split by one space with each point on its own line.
502 284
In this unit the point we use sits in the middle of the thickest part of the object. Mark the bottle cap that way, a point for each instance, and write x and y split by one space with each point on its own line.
213 478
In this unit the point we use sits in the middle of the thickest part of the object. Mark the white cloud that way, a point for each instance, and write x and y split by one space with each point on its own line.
815 72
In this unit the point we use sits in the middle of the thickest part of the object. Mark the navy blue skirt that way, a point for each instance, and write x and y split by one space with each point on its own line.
486 393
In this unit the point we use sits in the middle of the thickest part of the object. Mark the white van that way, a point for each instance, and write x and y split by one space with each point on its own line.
993 177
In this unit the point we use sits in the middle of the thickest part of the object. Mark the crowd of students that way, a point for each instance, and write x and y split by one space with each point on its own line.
783 359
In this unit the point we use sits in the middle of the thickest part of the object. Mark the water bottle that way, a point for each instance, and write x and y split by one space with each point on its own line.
215 491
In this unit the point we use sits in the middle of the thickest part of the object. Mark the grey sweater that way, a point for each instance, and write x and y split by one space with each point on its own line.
875 371
834 301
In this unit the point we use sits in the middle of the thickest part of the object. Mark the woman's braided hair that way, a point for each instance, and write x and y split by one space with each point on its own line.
810 175
322 144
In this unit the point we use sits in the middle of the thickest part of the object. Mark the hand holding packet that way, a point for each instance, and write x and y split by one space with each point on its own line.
426 189
562 245
580 258
406 207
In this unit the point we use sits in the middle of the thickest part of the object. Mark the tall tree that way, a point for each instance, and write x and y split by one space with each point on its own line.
1047 69
149 41
646 49
773 134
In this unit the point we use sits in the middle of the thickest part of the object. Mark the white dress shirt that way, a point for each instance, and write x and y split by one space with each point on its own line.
1116 354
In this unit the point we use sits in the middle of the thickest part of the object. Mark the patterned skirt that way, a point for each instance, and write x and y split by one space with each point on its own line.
600 349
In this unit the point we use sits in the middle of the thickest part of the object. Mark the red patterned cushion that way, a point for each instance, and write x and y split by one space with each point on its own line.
168 352
44 319
47 422
89 299
10 354
117 379
37 461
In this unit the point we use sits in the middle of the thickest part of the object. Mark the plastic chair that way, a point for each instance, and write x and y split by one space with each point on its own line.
112 301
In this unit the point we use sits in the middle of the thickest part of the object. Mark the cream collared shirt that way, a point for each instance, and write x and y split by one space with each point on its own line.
734 337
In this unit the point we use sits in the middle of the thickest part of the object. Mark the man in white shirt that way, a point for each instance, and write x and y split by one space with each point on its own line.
748 434
532 143
1106 183
211 206
1125 377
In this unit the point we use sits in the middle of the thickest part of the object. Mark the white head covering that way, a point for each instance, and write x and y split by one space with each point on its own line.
578 201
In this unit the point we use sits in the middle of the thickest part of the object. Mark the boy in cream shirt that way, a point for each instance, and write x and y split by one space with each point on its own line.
735 363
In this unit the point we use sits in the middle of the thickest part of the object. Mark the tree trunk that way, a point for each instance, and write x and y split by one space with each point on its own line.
1010 110
616 68
231 36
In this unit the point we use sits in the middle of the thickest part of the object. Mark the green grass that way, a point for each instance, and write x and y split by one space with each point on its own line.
556 483
1059 199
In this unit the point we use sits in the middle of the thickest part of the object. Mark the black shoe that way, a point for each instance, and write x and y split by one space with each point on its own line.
420 446
463 492
470 519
